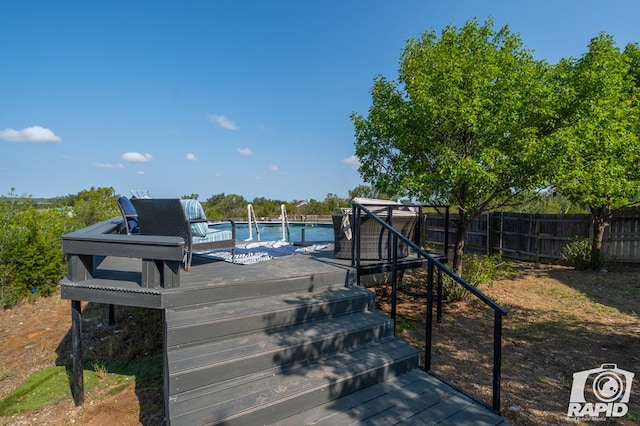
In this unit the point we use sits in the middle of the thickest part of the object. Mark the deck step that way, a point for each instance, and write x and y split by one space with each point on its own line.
195 366
258 286
192 324
271 397
415 398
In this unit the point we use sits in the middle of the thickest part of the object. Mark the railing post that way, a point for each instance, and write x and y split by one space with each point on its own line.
497 359
394 276
76 343
429 318
439 299
446 233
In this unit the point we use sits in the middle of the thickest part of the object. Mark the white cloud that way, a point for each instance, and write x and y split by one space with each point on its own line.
136 157
109 166
352 161
140 173
223 122
192 157
245 152
273 168
30 134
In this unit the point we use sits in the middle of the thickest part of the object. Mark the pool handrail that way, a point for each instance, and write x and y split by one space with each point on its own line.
252 214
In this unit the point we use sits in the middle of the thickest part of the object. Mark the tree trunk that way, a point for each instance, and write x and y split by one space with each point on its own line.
600 219
458 251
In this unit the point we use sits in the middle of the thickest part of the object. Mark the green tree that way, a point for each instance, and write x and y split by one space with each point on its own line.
599 135
225 206
367 191
462 125
94 205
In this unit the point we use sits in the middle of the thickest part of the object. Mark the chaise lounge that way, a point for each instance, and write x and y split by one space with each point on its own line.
375 241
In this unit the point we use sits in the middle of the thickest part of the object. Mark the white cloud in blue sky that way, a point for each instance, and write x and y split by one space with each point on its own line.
191 157
352 161
223 122
245 152
136 157
109 166
30 134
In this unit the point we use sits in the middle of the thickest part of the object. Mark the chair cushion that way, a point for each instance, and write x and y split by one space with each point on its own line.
193 210
213 236
130 214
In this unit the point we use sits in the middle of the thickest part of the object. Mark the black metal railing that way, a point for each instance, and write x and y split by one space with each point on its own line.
433 266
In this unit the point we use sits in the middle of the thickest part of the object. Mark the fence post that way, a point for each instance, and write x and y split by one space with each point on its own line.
537 240
489 233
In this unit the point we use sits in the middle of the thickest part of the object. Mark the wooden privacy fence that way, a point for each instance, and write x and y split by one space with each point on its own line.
540 237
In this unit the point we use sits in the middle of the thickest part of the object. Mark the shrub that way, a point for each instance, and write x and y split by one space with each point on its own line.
477 269
31 259
577 253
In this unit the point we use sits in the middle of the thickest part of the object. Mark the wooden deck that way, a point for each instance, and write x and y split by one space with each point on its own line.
301 300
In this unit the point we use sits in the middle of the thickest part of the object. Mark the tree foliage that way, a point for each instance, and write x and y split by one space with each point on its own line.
31 260
463 124
598 137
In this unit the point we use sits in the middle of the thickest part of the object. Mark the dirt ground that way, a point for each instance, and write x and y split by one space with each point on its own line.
36 335
560 321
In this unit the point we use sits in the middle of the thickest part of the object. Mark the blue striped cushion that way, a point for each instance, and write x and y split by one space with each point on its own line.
213 236
193 210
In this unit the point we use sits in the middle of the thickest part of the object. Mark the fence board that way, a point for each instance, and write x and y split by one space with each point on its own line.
540 237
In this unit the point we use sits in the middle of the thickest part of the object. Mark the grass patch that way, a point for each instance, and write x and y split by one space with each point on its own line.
403 324
52 385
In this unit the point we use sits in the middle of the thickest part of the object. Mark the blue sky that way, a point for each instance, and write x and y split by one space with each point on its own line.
236 97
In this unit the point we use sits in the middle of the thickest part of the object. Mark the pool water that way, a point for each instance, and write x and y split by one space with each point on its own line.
313 232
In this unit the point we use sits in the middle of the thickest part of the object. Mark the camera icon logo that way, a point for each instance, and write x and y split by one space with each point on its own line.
599 391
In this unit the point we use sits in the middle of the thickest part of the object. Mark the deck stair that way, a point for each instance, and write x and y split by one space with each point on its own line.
308 350
258 360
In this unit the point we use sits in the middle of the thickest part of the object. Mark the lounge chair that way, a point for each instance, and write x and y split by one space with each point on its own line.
129 215
186 219
375 241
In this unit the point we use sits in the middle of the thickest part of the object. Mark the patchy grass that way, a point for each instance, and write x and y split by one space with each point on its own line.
51 385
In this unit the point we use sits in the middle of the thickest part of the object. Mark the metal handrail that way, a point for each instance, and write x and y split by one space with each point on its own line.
285 223
432 264
252 215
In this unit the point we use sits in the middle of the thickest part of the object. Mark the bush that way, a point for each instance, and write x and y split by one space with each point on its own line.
577 253
31 259
477 269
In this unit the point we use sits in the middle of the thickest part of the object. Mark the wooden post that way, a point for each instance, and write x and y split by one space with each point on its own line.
76 332
112 316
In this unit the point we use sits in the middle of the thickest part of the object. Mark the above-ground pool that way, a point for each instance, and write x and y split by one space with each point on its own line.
272 231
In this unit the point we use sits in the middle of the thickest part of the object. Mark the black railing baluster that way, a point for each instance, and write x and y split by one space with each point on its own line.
394 276
439 299
428 339
497 359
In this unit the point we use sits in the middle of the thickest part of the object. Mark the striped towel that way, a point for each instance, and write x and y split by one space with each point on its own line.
260 251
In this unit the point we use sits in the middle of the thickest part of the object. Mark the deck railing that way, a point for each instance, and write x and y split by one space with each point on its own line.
433 266
161 255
